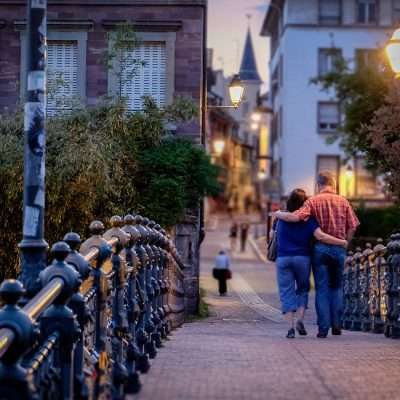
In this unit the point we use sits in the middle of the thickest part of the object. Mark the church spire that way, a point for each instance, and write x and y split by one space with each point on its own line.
248 67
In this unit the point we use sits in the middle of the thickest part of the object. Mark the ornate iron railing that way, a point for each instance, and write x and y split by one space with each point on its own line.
372 289
99 317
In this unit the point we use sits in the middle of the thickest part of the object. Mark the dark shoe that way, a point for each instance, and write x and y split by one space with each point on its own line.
336 331
322 335
291 334
300 328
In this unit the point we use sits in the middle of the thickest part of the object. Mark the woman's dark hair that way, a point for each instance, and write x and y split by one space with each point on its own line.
296 200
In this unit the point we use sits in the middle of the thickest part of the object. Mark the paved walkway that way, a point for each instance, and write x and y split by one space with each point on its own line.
240 352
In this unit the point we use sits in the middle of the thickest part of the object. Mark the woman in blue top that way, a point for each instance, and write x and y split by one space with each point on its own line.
293 261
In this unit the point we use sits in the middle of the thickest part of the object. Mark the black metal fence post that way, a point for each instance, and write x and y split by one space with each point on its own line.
364 288
33 246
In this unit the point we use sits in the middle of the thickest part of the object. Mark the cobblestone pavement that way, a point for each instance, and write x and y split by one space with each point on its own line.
241 353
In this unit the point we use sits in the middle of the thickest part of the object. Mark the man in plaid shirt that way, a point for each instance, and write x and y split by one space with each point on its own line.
336 217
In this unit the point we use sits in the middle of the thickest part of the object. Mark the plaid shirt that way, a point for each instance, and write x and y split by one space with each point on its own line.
333 213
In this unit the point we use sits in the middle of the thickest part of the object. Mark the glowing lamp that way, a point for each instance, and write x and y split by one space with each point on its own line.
262 175
236 91
349 172
219 145
393 52
256 117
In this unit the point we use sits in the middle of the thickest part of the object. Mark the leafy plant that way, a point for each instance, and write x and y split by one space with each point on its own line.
103 161
360 92
178 174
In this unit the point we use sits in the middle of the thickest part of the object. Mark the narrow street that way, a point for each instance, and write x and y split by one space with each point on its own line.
240 351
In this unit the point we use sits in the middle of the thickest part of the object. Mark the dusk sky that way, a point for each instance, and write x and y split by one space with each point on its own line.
227 26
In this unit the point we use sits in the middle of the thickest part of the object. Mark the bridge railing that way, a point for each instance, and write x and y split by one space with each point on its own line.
372 289
104 309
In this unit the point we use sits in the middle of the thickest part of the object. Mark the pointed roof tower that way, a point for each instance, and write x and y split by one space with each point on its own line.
248 67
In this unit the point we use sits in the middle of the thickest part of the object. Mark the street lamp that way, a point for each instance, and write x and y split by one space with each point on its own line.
219 146
393 52
236 91
262 175
256 116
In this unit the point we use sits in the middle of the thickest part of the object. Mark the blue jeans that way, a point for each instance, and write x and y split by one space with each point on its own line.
293 273
328 263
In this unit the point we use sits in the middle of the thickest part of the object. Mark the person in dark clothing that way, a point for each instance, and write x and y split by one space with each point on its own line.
233 233
293 261
221 271
244 230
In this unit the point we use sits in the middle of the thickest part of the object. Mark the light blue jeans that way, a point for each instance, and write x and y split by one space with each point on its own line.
328 261
293 273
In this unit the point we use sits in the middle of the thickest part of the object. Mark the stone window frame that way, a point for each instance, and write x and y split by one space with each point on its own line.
80 37
169 38
324 53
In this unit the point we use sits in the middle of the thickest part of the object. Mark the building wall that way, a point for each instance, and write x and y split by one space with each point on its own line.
185 19
188 25
299 143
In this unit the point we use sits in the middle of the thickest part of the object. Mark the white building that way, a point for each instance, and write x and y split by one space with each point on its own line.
302 35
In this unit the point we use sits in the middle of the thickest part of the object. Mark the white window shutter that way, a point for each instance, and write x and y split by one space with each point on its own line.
62 75
143 73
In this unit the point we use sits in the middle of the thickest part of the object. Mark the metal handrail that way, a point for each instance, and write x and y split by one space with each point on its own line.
7 336
43 299
93 254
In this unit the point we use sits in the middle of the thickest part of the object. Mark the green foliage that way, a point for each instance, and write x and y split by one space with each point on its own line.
360 93
178 174
102 161
378 222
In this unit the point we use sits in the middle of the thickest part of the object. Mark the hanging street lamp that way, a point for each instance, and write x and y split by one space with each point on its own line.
393 52
236 91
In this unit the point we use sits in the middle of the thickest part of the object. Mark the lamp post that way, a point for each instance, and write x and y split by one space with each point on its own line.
33 246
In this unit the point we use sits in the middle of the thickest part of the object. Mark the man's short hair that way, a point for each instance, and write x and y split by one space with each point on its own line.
326 178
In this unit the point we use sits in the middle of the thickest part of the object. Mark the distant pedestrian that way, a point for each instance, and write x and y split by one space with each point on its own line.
233 233
244 231
221 271
247 204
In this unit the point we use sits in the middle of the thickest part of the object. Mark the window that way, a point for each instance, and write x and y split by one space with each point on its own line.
62 75
145 70
367 11
66 69
365 179
330 12
330 164
274 128
328 117
280 121
327 59
147 77
366 58
281 71
396 12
